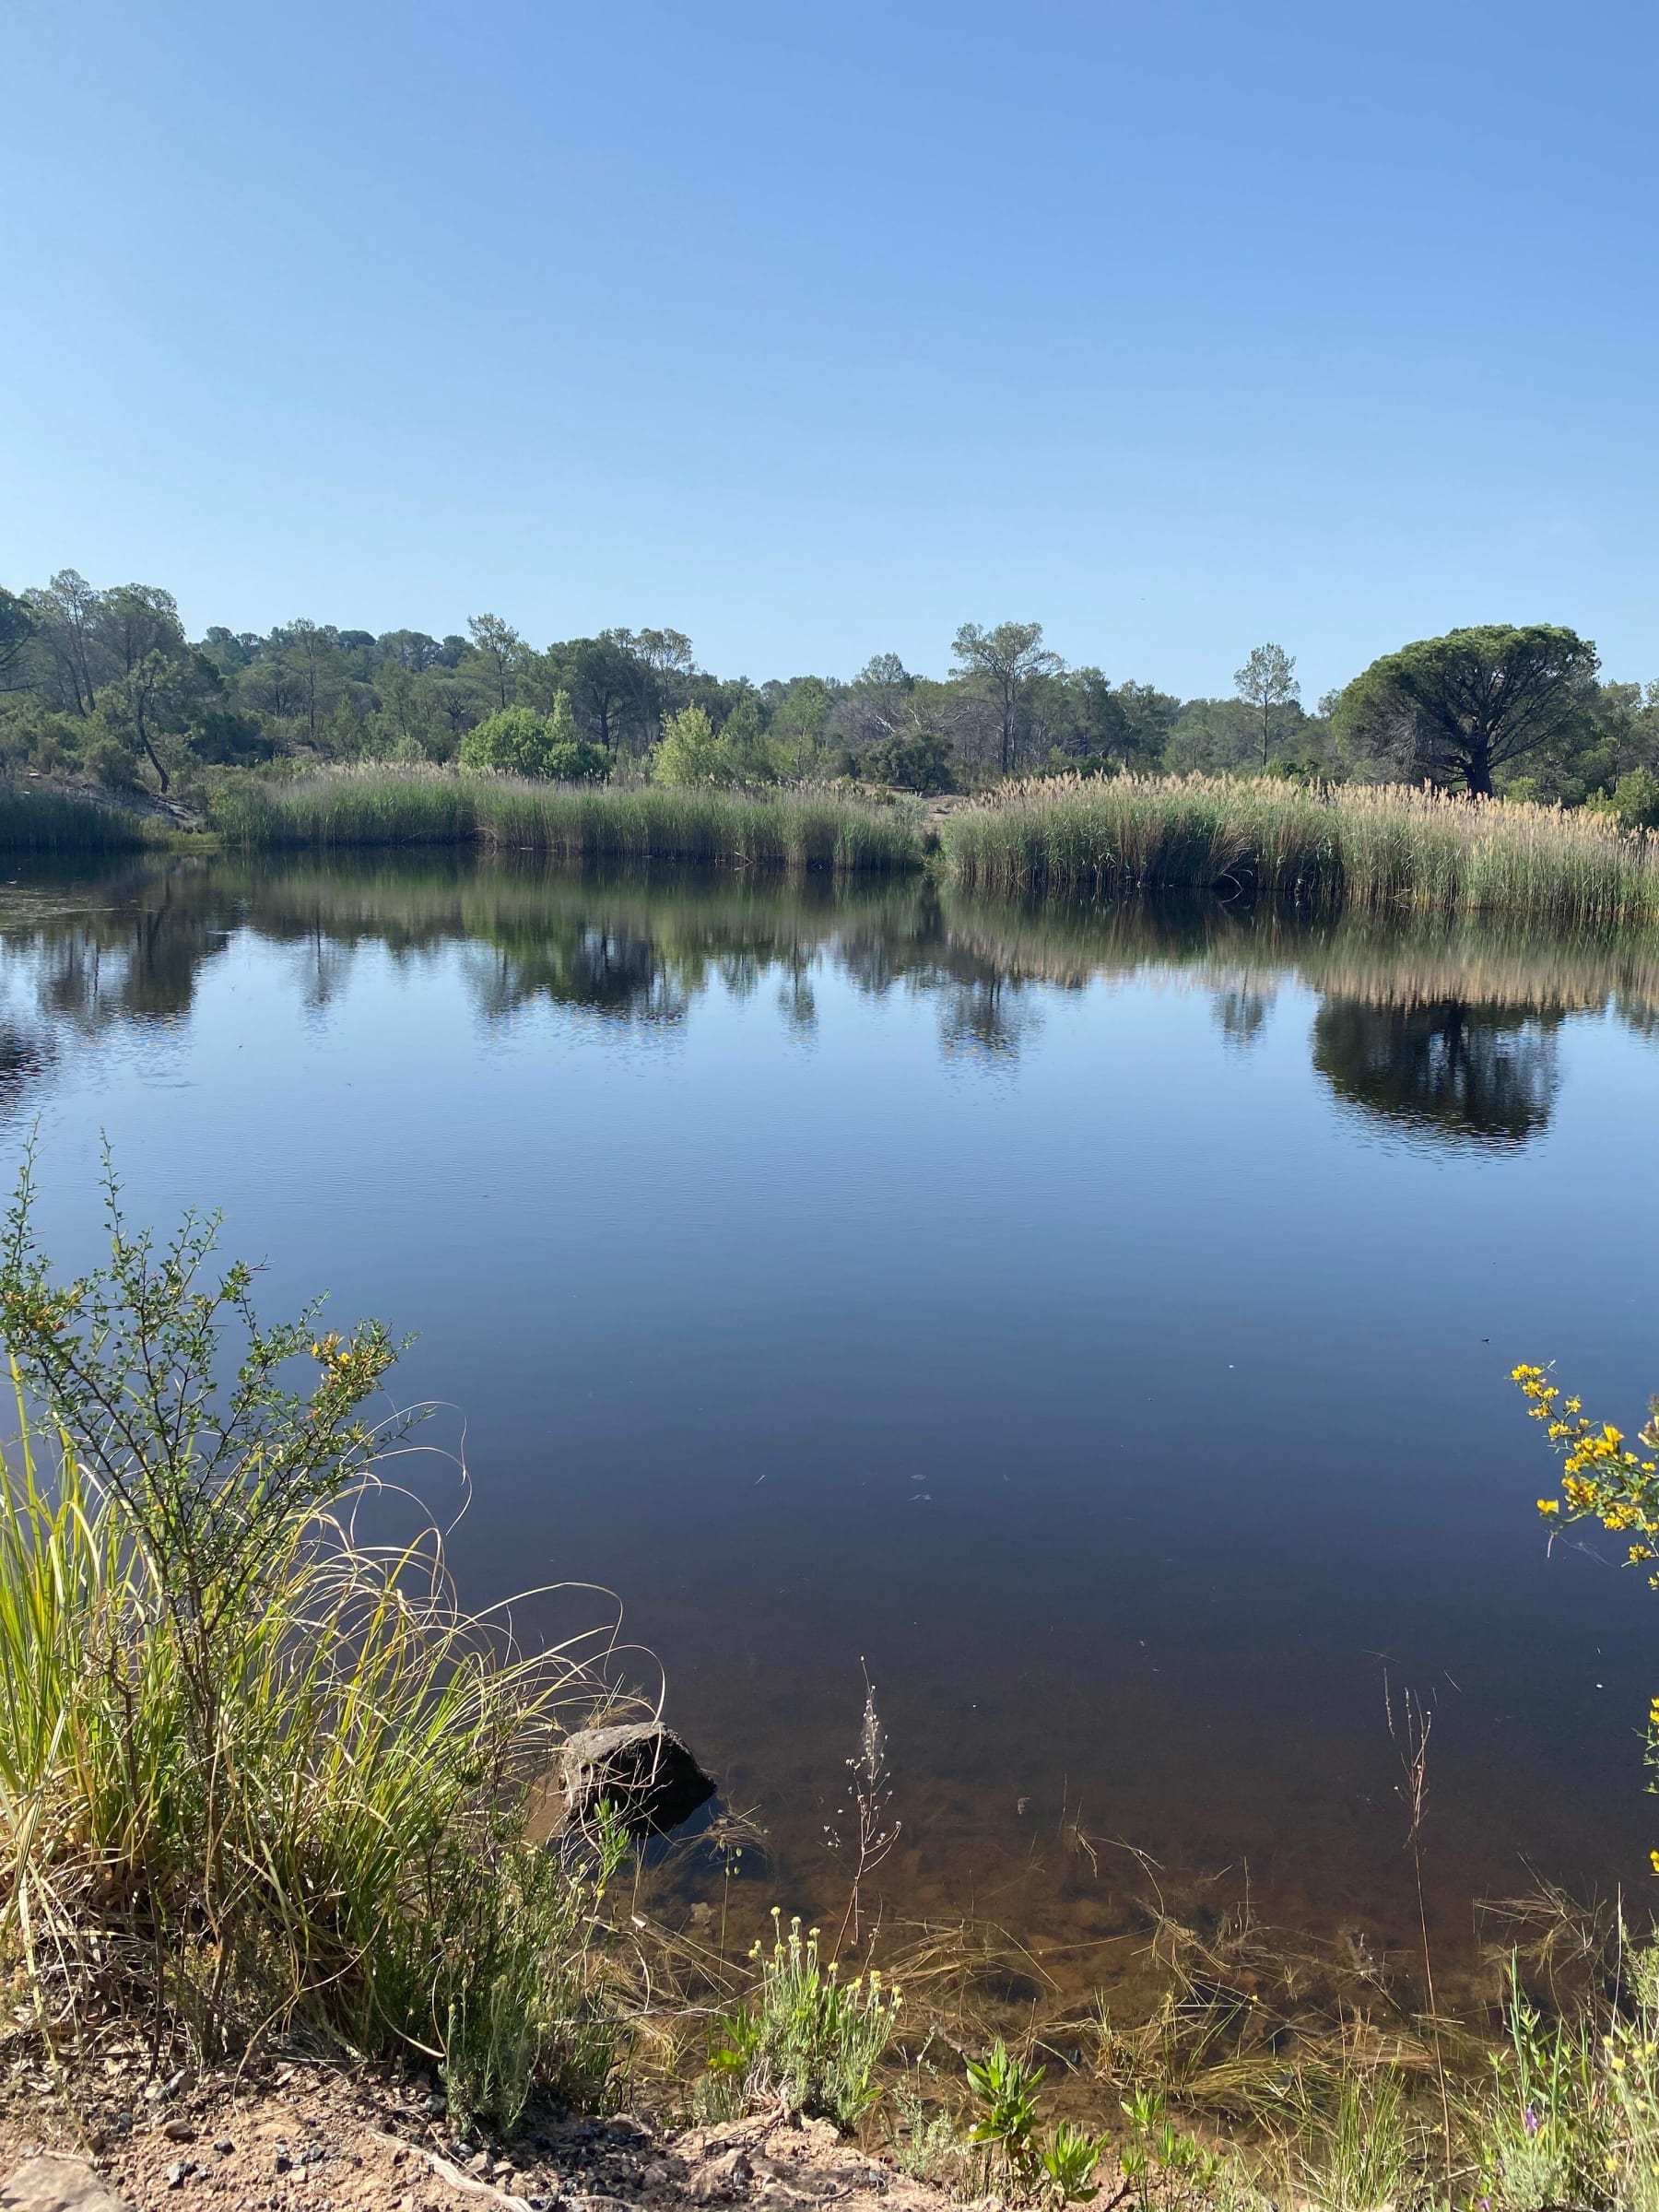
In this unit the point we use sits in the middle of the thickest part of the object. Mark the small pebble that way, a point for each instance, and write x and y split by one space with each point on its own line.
178 2172
178 2131
224 2146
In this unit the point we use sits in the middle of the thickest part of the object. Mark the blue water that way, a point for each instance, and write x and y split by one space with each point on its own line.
1097 1329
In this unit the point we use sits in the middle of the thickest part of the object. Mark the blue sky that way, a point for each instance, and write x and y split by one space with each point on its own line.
815 331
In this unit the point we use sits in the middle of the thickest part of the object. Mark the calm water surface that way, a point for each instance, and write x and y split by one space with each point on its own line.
1096 1325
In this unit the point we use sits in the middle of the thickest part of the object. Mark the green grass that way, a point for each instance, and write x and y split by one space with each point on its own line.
1363 846
256 1776
388 806
349 807
59 821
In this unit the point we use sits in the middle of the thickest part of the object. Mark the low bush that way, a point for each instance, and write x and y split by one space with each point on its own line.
254 1774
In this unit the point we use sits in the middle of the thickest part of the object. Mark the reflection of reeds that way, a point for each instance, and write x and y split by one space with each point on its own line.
1399 960
1358 845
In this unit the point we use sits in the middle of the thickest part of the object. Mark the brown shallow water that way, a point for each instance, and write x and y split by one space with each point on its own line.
1095 1325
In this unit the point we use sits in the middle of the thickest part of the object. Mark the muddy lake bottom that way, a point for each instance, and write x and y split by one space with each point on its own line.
1093 1325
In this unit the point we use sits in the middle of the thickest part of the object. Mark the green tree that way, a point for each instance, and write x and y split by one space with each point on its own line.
800 720
604 684
1267 680
1459 708
500 649
1005 660
66 615
16 626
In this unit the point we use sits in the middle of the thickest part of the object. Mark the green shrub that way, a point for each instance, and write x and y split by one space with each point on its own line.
691 755
254 1776
1635 802
921 763
516 742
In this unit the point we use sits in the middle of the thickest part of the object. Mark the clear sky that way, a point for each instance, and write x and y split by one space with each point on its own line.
816 330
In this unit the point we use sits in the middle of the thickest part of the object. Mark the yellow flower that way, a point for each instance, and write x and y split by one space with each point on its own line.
1549 1505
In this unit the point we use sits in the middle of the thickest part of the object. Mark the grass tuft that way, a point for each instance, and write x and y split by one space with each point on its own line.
256 1775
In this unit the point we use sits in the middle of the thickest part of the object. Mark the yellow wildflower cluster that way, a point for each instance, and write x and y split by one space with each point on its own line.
1601 1476
1602 1479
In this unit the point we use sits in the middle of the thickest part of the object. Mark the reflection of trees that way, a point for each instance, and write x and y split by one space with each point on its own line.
616 973
1242 1013
987 1016
23 1061
1443 1068
1443 1026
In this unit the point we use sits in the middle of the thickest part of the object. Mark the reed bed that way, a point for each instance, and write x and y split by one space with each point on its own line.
60 821
1362 845
380 807
349 807
793 830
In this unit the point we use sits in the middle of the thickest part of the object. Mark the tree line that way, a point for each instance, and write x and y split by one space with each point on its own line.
105 684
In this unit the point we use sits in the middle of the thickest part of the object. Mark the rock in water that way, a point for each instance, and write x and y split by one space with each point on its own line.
642 1768
54 2184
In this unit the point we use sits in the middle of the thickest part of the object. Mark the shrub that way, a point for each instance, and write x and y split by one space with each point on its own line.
920 762
253 1775
692 754
1635 802
521 743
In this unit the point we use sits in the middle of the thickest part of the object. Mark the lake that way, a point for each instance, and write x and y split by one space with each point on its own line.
1095 1325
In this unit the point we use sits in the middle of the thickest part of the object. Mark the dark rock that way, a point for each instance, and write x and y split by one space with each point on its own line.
54 2184
642 1768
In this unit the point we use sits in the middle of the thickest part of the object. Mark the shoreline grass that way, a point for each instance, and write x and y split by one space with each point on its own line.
257 1775
33 821
1376 846
376 807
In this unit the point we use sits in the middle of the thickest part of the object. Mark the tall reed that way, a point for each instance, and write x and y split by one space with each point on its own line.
383 806
349 807
1367 846
60 821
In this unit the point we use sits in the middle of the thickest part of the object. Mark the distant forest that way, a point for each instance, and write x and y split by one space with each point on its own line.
104 683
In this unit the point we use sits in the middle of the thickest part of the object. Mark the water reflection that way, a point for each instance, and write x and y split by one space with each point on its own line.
1445 1033
993 1295
1445 1069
